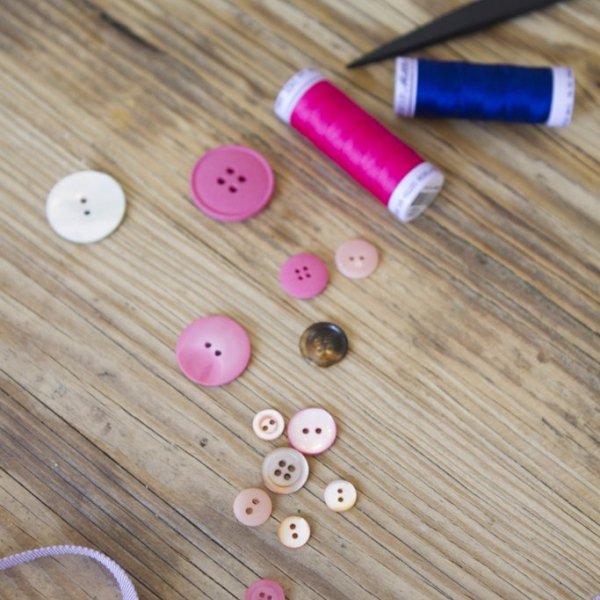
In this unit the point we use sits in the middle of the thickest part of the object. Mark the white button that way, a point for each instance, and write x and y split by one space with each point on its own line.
268 424
293 532
284 471
85 207
340 495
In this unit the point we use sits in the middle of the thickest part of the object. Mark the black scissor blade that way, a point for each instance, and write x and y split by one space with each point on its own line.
465 19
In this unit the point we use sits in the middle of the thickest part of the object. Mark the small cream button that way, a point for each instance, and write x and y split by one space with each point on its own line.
294 532
268 424
340 495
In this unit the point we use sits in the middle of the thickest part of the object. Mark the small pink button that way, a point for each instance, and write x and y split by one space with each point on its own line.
213 351
304 275
356 259
312 431
252 507
232 183
265 589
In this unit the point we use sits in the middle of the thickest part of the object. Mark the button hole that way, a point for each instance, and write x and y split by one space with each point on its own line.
265 427
241 179
271 422
232 189
340 491
83 200
207 345
308 276
277 472
255 501
287 476
305 431
220 181
305 268
249 511
300 278
291 468
295 536
282 463
229 171
296 270
352 258
318 430
361 258
293 526
217 353
86 212
340 499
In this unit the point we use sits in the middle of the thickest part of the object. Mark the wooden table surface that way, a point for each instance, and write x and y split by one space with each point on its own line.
469 405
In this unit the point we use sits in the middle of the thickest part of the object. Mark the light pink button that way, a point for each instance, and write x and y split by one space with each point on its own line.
356 259
213 351
265 589
252 507
312 431
232 183
304 275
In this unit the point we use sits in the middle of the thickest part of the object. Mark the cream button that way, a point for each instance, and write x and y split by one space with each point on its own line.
85 207
268 424
252 507
284 471
294 532
340 495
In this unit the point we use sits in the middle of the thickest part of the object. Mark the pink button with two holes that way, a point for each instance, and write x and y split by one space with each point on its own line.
232 183
213 351
312 431
265 589
304 275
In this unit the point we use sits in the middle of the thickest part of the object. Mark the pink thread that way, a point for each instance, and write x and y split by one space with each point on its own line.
123 581
351 137
354 139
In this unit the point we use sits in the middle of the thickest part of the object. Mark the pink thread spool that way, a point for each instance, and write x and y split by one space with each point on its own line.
359 144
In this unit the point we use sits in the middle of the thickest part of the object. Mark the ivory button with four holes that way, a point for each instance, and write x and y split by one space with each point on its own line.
304 275
294 532
312 431
213 350
232 183
252 507
268 424
284 471
85 207
340 495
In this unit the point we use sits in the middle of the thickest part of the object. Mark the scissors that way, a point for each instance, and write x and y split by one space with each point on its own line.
465 19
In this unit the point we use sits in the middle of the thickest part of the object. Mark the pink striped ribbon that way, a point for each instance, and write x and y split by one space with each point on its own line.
123 581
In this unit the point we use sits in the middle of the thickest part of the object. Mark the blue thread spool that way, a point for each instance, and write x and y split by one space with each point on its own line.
459 90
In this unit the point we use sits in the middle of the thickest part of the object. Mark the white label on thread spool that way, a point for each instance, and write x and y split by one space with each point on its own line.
415 192
293 90
405 86
563 97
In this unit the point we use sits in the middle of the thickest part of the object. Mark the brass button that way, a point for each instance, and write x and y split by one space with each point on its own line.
324 344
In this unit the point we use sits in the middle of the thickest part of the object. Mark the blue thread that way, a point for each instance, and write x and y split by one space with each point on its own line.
485 92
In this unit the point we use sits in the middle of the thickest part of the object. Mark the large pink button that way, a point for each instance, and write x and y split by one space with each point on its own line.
265 589
356 259
232 183
252 507
312 431
213 351
304 275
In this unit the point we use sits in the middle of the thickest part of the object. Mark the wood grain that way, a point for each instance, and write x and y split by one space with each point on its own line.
469 406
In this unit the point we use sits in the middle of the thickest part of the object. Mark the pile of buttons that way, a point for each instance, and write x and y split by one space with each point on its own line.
234 183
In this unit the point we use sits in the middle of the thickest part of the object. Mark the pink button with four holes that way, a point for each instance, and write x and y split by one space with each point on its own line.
265 589
232 183
213 351
304 275
312 431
